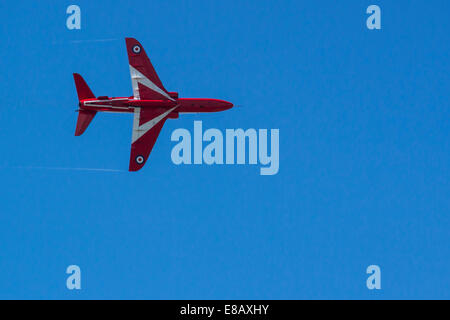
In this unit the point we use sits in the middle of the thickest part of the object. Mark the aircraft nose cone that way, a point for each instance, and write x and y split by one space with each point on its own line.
227 105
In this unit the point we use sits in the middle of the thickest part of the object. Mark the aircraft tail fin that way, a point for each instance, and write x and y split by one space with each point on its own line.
84 116
83 90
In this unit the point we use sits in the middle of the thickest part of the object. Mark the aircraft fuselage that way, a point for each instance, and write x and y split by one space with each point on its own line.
127 104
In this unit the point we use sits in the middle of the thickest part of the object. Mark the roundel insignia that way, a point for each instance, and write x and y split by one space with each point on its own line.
139 159
136 49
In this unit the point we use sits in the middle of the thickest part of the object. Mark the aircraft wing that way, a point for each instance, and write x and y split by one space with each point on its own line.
145 81
147 125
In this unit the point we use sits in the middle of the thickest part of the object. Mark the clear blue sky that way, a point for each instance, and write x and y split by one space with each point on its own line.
364 152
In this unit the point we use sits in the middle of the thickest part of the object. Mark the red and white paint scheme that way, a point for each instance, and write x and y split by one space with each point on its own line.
151 104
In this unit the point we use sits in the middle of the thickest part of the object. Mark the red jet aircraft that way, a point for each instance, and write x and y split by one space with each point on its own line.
151 104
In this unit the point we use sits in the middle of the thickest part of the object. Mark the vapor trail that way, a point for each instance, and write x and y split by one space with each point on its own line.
85 41
68 168
93 40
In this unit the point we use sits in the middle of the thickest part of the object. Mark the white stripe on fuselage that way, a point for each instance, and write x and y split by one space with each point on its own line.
105 106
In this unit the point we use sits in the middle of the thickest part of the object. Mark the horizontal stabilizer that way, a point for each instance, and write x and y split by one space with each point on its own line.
84 119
